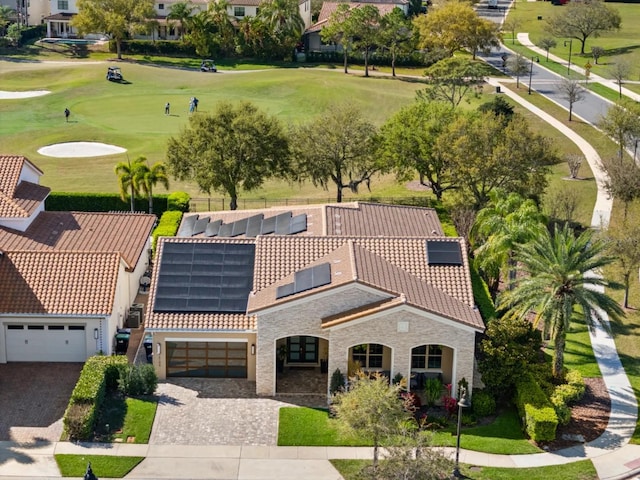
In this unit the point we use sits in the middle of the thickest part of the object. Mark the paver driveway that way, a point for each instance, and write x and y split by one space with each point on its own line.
33 398
194 411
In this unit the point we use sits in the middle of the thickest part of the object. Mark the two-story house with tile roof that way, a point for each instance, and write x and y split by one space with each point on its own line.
67 279
299 292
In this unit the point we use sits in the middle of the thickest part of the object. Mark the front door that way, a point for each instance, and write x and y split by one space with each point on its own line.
302 349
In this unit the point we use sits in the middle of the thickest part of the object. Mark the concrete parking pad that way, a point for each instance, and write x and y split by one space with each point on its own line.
33 398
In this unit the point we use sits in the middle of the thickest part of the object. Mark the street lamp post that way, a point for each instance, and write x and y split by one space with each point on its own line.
531 70
570 47
463 403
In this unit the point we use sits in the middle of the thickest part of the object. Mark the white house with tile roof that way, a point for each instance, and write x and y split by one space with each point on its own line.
327 285
67 279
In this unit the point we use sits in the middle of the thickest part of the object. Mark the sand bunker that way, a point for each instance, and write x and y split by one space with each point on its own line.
80 149
16 95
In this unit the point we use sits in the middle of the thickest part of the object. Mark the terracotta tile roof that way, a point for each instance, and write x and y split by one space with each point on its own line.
327 9
18 198
372 219
125 233
159 321
58 283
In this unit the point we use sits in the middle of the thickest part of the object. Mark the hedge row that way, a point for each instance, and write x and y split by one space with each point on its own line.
100 202
539 416
481 295
98 375
157 47
567 393
167 226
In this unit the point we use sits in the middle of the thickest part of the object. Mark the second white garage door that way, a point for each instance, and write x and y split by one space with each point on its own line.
45 343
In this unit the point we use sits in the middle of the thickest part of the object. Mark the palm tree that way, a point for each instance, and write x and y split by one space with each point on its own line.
6 15
127 173
218 11
283 21
148 177
562 273
504 223
181 11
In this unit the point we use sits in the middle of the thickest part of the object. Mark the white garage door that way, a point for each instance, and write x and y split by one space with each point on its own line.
45 343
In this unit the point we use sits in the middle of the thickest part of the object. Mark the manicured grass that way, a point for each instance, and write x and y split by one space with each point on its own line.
103 466
582 470
299 426
578 353
127 418
622 44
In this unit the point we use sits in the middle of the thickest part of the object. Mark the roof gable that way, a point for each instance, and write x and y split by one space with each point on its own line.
19 198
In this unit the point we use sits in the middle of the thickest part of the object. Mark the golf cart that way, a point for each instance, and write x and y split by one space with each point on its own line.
208 66
114 74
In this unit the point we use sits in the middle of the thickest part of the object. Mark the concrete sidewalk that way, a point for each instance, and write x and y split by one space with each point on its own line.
523 39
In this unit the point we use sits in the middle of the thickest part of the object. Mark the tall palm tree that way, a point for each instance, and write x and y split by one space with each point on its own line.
218 11
148 177
504 223
181 11
127 173
284 23
6 15
562 274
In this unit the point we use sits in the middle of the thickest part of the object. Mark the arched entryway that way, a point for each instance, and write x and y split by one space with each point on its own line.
301 365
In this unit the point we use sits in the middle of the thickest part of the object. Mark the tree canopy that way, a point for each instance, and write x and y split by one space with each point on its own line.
235 147
117 18
396 35
622 123
451 79
337 148
581 20
339 31
455 25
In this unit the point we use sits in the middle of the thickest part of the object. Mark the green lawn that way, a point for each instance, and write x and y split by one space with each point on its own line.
300 426
582 470
623 44
127 418
103 466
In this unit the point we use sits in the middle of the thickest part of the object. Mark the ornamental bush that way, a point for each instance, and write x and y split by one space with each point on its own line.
536 411
483 403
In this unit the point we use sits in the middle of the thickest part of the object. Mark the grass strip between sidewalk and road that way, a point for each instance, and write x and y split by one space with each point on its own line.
103 466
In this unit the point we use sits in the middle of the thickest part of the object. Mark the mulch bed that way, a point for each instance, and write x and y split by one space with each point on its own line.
589 417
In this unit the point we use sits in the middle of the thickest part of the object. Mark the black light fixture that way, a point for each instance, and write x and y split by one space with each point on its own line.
463 403
569 64
535 57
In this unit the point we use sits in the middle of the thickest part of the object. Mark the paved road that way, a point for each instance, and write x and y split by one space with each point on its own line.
543 81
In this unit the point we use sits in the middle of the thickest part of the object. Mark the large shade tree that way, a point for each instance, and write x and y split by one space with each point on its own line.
561 283
117 18
407 141
581 20
339 31
396 35
235 147
365 22
336 148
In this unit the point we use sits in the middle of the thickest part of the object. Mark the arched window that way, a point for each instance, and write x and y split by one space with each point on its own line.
426 356
369 355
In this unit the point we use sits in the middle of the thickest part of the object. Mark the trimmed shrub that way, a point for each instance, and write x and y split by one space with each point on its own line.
567 393
337 382
481 295
483 403
178 201
137 380
98 374
535 409
167 226
101 202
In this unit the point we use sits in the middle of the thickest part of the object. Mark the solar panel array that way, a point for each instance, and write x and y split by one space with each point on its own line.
306 279
444 252
282 224
204 278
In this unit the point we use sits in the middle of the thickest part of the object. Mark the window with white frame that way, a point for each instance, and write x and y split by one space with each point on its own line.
368 355
63 4
426 356
238 11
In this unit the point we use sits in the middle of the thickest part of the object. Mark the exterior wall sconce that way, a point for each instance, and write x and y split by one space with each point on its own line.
253 349
95 333
158 348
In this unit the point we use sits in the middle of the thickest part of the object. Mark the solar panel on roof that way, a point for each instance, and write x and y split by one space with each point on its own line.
282 223
298 224
186 229
225 230
444 252
205 277
200 226
306 279
239 227
254 225
268 226
212 228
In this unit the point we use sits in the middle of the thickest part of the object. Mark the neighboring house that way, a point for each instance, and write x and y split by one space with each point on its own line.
67 279
62 11
313 40
266 294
